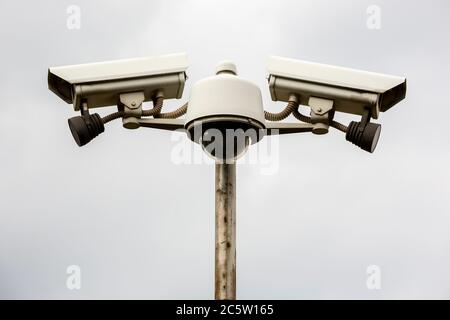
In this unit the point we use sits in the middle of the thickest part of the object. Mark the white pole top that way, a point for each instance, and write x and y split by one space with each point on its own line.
227 66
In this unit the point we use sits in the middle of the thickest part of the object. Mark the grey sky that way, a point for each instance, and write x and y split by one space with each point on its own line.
140 226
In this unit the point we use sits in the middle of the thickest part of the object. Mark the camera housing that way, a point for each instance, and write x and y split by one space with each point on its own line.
225 107
352 91
100 84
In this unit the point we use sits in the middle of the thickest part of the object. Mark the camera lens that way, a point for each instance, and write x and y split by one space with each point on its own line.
225 144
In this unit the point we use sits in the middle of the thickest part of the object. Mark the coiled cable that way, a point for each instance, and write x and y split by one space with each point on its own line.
173 114
157 106
112 116
339 126
292 106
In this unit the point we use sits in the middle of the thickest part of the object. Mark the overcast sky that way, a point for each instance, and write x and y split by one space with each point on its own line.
141 226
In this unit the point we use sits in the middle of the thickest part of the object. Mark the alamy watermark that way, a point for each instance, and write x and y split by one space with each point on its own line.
73 281
374 17
73 21
227 145
373 281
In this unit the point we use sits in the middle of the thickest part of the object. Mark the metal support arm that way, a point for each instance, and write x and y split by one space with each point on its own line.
274 128
163 124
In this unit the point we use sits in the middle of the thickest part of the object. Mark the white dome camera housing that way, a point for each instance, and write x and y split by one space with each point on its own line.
225 113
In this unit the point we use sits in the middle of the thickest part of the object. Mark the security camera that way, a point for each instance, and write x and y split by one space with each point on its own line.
100 84
329 89
352 91
125 83
225 107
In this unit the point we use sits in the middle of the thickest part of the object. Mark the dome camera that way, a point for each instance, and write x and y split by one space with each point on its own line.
225 114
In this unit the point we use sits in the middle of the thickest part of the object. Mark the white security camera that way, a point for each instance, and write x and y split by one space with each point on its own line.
351 91
125 83
223 105
225 115
327 89
100 84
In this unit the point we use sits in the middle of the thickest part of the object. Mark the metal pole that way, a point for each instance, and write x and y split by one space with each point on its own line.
225 257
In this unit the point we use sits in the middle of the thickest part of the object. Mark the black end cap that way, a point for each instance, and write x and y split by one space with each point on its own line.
85 128
366 138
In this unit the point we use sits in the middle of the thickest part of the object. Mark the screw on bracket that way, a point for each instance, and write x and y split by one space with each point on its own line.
320 114
132 107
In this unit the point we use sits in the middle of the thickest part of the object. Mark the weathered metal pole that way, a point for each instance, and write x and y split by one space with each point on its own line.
225 258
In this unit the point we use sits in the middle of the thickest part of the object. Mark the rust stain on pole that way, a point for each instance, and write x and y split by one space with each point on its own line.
225 257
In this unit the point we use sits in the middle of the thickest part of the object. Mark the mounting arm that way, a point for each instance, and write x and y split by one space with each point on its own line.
162 124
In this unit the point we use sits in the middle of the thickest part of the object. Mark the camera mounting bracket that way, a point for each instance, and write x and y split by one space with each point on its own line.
84 109
365 119
320 114
132 108
162 124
